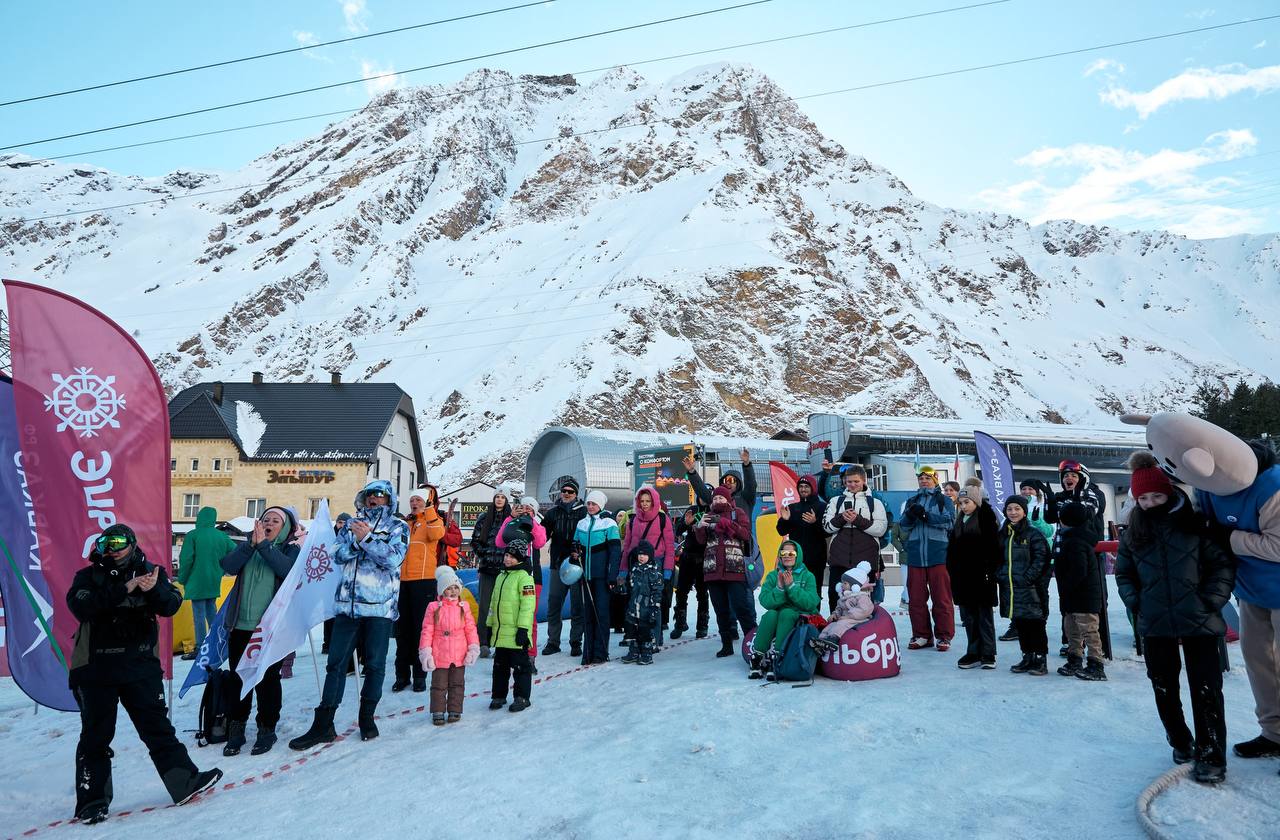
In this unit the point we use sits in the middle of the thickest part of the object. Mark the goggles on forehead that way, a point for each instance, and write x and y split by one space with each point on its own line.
114 542
1071 466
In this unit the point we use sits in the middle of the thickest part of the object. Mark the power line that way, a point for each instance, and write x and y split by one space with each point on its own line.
522 82
362 80
231 61
658 120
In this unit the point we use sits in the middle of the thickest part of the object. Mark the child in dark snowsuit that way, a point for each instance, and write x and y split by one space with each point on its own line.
644 604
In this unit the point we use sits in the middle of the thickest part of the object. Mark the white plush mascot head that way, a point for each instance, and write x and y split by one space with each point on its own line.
1198 453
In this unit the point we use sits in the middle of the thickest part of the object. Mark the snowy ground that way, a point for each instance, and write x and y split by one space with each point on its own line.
689 748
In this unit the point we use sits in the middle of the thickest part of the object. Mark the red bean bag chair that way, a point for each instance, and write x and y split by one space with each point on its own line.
867 652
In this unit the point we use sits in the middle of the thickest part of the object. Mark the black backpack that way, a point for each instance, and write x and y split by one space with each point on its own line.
215 705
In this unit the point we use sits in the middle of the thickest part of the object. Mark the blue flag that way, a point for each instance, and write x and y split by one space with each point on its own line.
997 471
213 652
36 662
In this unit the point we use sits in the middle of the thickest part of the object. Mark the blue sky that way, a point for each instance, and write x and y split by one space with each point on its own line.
1180 134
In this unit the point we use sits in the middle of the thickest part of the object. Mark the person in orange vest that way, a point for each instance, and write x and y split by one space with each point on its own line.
418 583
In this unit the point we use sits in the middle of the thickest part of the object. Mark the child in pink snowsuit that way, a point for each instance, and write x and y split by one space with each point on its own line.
448 644
854 605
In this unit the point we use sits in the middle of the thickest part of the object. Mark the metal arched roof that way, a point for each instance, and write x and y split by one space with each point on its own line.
598 458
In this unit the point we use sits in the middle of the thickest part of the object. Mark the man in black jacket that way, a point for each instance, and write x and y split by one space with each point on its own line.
743 484
560 522
689 575
116 660
802 521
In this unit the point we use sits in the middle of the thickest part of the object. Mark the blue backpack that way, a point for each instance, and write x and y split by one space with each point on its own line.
799 659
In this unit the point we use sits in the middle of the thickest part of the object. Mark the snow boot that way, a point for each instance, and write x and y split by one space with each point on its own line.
497 703
321 731
988 664
437 718
235 738
1182 755
726 649
368 729
1039 665
757 666
1095 671
1072 667
265 741
92 815
419 684
202 782
454 717
1028 661
1207 773
633 655
550 649
646 658
704 621
1010 635
681 621
575 650
400 684
1260 747
519 705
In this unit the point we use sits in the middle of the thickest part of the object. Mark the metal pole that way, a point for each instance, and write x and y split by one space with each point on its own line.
315 663
170 682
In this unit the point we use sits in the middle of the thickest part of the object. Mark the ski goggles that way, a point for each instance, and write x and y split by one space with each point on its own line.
1071 466
114 542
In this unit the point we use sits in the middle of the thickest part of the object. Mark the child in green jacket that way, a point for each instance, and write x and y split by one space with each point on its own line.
788 592
510 622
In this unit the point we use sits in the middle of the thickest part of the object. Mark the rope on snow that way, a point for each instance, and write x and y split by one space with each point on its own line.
1159 786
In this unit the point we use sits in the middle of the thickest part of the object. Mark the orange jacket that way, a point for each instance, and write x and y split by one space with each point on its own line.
426 529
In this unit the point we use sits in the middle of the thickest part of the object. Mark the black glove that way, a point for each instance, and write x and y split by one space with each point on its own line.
917 511
522 638
861 522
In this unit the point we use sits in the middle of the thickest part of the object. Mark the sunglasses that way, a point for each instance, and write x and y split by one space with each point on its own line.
568 491
115 542
786 554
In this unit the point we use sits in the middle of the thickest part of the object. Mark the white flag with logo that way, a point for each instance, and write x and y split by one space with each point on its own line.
305 599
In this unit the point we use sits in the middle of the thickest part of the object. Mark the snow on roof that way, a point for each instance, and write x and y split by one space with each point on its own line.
250 427
625 436
1005 432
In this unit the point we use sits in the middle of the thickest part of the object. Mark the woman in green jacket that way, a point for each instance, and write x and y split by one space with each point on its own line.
788 592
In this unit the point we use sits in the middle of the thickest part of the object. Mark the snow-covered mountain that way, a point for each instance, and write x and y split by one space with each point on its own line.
691 254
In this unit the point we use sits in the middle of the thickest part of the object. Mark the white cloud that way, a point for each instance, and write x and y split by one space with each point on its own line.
1107 185
378 79
356 14
1202 14
304 39
1197 83
1104 64
1260 44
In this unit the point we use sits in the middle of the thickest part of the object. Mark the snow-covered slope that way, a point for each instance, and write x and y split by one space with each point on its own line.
691 254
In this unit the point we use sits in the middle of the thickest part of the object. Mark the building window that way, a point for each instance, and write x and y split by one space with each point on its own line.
879 476
217 465
195 465
254 508
315 507
173 465
412 485
397 463
190 505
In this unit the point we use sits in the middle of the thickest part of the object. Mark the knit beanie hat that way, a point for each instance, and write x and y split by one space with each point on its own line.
570 482
1020 501
809 480
724 492
858 575
1147 476
446 577
516 548
598 497
973 493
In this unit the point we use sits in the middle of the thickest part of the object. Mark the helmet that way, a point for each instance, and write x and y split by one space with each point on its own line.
570 573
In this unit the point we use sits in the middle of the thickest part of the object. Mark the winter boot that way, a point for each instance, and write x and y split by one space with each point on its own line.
321 731
646 657
420 684
1028 661
201 782
437 718
368 729
92 815
550 649
633 655
1095 671
1072 667
1208 773
1010 635
1182 755
757 666
969 660
988 663
704 621
235 738
519 704
1260 747
575 649
681 621
497 703
454 717
726 649
265 741
400 684
1039 665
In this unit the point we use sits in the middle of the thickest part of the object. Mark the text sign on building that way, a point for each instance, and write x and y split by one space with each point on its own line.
301 476
663 468
470 512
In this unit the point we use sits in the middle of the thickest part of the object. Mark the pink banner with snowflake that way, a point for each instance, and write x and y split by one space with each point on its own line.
305 598
94 428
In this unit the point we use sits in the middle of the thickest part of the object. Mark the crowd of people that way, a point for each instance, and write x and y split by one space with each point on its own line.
634 571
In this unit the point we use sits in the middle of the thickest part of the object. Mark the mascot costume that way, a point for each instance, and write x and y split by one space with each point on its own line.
1238 488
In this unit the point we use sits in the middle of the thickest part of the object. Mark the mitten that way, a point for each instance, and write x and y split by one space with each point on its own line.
917 511
473 653
522 638
861 522
428 661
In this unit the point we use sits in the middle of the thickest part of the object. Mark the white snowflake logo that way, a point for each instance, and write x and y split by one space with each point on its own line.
84 402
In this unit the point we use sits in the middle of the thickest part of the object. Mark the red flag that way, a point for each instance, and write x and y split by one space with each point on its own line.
784 485
95 439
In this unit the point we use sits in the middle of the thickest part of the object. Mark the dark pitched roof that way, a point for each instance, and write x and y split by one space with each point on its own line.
294 420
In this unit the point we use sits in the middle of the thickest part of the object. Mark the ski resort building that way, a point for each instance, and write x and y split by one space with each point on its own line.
240 446
603 459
